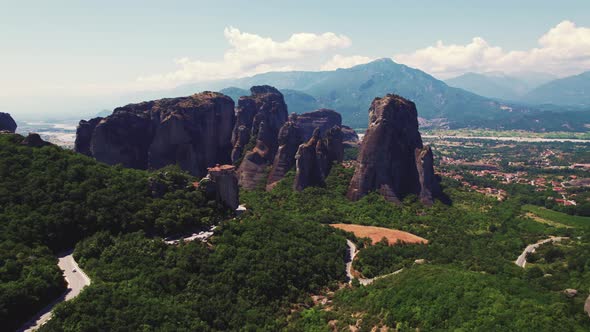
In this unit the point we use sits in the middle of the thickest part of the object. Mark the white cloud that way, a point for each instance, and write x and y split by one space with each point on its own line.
563 50
340 61
250 54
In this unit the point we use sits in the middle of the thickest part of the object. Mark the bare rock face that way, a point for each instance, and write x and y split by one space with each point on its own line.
289 141
392 159
224 181
335 144
7 123
324 119
315 157
429 185
194 132
350 137
35 141
270 113
84 135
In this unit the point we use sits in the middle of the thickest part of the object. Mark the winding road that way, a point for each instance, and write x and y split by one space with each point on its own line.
76 279
352 251
521 260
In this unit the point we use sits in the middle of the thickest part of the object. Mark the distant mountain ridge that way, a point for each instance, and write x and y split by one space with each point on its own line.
350 91
571 90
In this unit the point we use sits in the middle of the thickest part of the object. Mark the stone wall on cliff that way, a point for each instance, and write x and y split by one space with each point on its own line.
392 159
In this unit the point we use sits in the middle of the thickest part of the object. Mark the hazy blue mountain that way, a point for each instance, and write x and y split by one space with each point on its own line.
493 86
297 101
572 90
235 93
351 91
500 85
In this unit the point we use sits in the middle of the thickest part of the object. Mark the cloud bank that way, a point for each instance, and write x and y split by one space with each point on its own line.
251 54
563 50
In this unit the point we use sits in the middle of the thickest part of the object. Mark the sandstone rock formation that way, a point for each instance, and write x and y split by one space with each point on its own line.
392 159
429 186
270 113
315 157
84 135
7 122
194 132
223 181
324 119
35 141
350 137
289 140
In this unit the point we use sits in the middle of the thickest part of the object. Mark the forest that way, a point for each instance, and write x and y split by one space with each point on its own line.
51 198
260 270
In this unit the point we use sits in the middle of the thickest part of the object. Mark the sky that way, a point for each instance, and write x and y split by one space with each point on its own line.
62 56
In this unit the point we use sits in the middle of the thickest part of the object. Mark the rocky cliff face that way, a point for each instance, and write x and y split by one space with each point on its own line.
7 122
222 182
289 140
315 157
392 159
350 137
84 135
268 111
323 118
194 132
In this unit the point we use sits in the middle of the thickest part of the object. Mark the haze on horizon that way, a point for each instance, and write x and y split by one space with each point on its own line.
67 58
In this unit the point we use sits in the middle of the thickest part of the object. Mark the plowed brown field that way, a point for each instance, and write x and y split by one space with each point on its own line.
378 233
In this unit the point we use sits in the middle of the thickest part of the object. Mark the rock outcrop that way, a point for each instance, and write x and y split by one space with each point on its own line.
392 159
350 137
84 135
7 123
33 140
289 140
315 157
323 118
222 182
270 114
300 129
194 132
429 183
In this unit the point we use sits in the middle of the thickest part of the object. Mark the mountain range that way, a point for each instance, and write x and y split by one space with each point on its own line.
492 100
350 91
500 85
528 88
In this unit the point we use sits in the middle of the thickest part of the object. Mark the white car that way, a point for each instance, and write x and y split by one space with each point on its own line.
74 270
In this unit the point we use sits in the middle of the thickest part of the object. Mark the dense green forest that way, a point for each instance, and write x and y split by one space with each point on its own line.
51 198
259 270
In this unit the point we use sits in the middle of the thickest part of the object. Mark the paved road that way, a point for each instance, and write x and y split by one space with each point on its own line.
521 260
76 281
352 251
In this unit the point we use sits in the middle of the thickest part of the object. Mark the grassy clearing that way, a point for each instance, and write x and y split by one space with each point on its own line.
555 218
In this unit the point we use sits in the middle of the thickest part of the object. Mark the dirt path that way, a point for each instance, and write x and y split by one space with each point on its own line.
76 279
